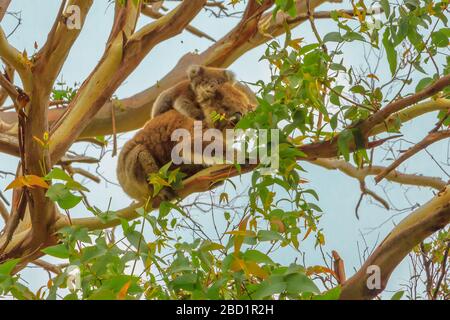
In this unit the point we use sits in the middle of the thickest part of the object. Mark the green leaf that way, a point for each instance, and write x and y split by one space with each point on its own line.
166 206
358 138
257 256
298 283
386 8
337 67
344 140
352 36
425 82
334 121
92 252
358 89
268 235
332 294
71 296
164 209
62 195
185 282
103 294
333 37
7 267
58 251
213 291
180 264
58 174
398 295
390 51
269 287
69 201
440 38
56 192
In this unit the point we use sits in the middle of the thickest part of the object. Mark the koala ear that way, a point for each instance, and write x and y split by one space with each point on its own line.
194 71
230 75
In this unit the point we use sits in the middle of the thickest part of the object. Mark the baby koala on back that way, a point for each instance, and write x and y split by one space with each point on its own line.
184 97
151 148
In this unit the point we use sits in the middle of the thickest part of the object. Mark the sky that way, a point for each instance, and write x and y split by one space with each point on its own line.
338 193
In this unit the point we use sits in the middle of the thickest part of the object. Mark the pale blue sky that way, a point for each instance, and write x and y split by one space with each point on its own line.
338 193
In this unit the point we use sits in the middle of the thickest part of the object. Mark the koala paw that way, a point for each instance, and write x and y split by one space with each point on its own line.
167 194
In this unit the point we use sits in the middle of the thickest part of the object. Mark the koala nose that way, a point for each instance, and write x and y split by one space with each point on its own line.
236 117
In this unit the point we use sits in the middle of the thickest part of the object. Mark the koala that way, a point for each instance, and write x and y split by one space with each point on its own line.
202 83
152 146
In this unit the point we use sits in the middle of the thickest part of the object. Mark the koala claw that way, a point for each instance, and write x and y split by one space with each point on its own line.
167 194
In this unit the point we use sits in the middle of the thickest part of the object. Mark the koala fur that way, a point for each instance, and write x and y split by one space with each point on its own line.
151 147
184 97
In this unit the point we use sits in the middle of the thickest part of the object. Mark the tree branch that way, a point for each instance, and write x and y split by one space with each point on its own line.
427 141
51 57
4 4
410 114
9 75
47 266
419 225
4 213
397 105
16 59
361 173
151 13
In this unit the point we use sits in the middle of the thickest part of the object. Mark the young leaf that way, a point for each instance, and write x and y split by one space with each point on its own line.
58 251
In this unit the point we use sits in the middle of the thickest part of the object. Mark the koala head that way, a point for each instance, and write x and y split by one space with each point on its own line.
205 81
228 101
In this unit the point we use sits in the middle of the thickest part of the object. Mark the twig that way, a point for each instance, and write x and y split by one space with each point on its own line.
47 266
428 140
314 28
113 119
79 159
4 211
84 173
151 13
3 7
443 271
339 268
366 191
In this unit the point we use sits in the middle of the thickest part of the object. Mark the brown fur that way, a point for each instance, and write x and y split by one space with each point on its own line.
151 147
184 97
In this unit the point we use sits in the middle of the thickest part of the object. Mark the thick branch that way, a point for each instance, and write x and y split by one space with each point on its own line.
9 74
60 40
4 4
9 88
4 213
415 228
400 104
9 145
16 59
125 19
151 13
200 182
47 266
329 148
410 114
